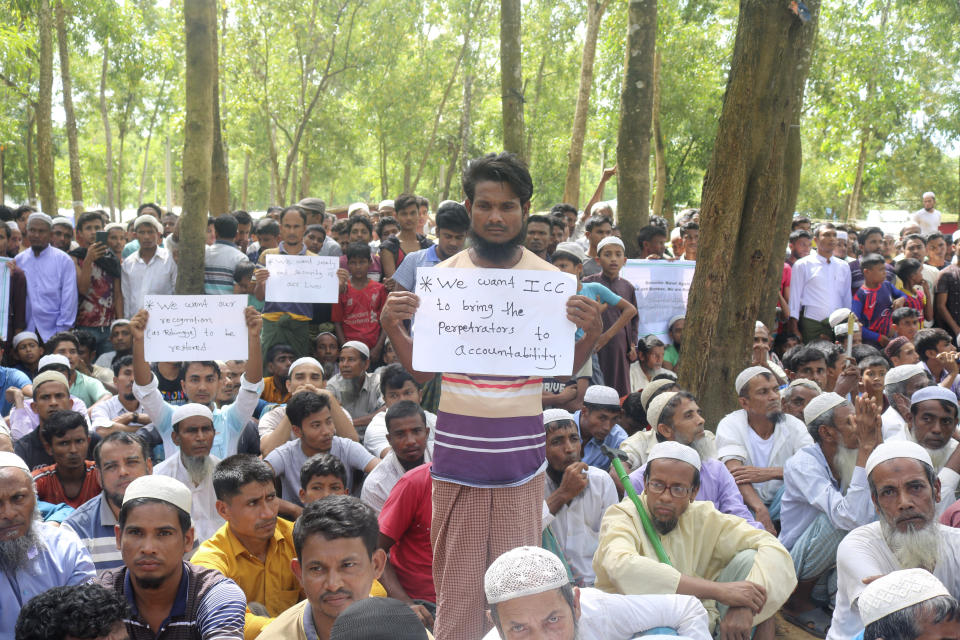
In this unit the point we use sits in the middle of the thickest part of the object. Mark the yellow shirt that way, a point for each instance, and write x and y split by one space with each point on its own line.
289 624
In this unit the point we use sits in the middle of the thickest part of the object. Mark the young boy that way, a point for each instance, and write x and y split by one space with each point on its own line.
322 475
243 283
873 369
906 322
357 314
874 302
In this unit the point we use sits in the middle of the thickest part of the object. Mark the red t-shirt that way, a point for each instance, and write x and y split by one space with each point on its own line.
50 490
358 311
405 518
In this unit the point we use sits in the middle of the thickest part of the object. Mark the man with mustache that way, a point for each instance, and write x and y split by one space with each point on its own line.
905 491
825 496
677 417
407 435
797 395
254 548
741 574
169 598
33 557
757 440
899 385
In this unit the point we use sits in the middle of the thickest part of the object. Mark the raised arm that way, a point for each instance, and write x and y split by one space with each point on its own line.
400 307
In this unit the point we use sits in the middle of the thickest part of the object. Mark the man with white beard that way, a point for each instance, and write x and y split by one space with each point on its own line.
33 557
905 491
825 496
899 385
193 433
676 416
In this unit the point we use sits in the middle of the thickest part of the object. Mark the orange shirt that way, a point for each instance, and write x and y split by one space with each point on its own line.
49 488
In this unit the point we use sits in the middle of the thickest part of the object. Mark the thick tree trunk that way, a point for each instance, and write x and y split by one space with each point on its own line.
219 180
168 173
743 198
48 190
853 203
31 161
511 77
73 148
636 111
659 149
107 134
451 168
146 146
465 121
571 187
535 104
199 86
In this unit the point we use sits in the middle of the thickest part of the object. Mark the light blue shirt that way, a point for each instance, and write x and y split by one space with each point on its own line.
406 273
51 290
93 521
62 561
592 453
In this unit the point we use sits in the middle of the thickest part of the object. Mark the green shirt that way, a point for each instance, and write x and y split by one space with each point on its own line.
671 355
87 389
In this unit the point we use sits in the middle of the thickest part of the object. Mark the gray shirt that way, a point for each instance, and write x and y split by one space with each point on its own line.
357 402
287 459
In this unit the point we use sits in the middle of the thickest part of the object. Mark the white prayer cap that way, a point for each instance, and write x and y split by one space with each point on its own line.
670 322
572 248
148 219
804 382
747 375
601 395
820 405
652 388
53 358
114 225
656 407
50 376
555 415
10 459
357 206
524 571
63 220
12 225
160 487
42 217
842 235
25 335
359 346
675 233
385 203
675 451
190 410
759 325
841 329
608 241
903 372
838 316
896 449
896 591
934 392
302 361
929 194
118 321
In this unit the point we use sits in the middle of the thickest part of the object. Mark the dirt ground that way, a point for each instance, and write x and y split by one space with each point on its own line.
790 632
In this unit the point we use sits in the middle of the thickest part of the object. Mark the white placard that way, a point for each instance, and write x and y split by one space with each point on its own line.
302 278
662 288
494 321
190 328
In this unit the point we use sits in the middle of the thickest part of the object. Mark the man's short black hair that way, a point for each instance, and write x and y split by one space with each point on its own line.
316 228
361 220
123 437
453 216
899 315
800 233
268 227
336 517
277 350
86 218
84 338
872 260
303 405
322 464
394 376
120 363
503 167
831 351
403 201
873 361
802 354
182 516
404 409
869 231
687 228
225 226
60 422
387 221
648 343
358 250
243 271
57 338
563 209
648 233
538 218
237 471
906 268
149 205
914 236
205 364
298 210
927 340
242 217
935 235
799 220
860 352
595 221
83 611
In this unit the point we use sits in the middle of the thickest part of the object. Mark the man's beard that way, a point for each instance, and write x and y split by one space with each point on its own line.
116 499
665 526
844 462
775 416
494 251
706 449
14 553
914 548
329 369
939 456
149 583
198 467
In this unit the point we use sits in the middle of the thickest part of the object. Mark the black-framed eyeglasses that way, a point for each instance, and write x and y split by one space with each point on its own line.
677 491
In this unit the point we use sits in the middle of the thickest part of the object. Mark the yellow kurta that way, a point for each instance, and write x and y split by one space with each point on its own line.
702 544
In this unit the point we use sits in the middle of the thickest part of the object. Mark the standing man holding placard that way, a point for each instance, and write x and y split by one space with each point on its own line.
490 442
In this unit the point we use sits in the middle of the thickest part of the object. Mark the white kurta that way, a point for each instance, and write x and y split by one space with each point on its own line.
204 514
637 447
892 422
384 477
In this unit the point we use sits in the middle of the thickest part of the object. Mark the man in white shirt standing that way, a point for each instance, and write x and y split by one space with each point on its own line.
928 218
819 285
150 270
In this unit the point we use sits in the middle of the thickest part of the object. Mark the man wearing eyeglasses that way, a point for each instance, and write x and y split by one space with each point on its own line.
741 574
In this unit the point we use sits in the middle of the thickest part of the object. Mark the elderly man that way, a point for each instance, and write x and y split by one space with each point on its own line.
741 574
51 281
910 604
597 422
637 446
677 418
825 496
819 284
150 269
928 217
905 492
530 596
33 557
899 385
797 395
356 389
757 440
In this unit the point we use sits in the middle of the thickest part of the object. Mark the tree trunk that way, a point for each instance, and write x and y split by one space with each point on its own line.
384 185
744 198
511 77
276 188
451 169
48 190
107 134
853 204
406 173
465 121
199 86
293 182
304 188
31 162
146 146
659 149
168 173
636 111
571 187
535 106
73 148
246 177
219 181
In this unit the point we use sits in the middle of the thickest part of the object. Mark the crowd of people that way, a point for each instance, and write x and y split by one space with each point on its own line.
322 487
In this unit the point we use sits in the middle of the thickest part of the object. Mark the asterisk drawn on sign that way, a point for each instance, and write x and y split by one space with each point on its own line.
425 283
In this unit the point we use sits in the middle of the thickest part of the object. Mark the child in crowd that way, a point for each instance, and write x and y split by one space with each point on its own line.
915 288
357 314
906 322
649 362
322 475
873 370
873 303
244 284
26 346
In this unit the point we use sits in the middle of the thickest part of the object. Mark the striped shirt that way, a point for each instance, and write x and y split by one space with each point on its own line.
490 428
93 521
220 262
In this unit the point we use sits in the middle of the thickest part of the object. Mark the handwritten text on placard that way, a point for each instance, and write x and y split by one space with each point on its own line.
662 288
493 321
302 278
190 328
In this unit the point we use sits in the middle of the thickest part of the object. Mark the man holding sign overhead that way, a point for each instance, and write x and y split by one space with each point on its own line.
490 443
